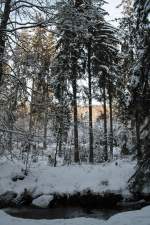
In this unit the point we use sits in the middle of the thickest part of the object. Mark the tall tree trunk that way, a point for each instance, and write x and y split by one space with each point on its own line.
105 123
60 141
31 113
10 135
3 27
45 130
75 113
138 143
111 125
11 119
61 119
90 106
45 117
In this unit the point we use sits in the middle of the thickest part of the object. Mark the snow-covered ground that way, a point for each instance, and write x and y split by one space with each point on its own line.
45 180
138 217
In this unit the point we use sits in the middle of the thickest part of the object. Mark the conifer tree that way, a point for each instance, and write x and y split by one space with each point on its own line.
126 37
140 94
104 59
66 60
33 56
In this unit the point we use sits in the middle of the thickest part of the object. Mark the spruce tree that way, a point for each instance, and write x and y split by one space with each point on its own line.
140 94
66 66
104 59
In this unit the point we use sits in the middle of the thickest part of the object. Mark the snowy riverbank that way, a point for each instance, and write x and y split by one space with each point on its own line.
45 180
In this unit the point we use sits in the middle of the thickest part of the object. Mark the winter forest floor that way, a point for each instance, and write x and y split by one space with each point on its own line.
44 181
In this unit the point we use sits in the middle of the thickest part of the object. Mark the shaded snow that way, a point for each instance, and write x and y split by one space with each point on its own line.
8 220
138 217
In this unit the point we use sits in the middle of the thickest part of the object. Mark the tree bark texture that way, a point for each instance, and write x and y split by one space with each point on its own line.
105 122
90 106
3 27
111 125
75 113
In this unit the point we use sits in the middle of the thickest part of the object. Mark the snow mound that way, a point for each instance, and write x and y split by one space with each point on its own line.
138 217
42 201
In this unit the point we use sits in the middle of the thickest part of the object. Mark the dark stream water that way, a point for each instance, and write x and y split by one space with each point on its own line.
60 213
